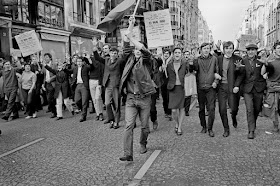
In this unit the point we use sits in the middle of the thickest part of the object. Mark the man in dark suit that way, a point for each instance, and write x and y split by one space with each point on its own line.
228 71
81 80
111 81
254 86
49 83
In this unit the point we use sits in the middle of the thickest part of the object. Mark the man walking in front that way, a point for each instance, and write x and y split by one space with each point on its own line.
137 80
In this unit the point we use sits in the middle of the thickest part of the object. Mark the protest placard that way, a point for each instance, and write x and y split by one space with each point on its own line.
158 28
28 43
135 33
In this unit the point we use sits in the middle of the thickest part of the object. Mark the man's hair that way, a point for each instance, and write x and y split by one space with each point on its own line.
5 61
176 48
204 44
107 44
228 44
276 44
113 49
166 50
75 55
48 54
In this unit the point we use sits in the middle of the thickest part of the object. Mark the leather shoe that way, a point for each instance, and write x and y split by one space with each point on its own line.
97 118
15 117
143 149
226 134
234 122
211 133
101 118
106 121
59 118
251 135
155 125
187 114
82 119
5 118
126 158
73 113
203 130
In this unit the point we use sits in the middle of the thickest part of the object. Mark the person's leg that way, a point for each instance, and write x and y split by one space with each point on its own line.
222 99
131 113
234 104
257 102
175 115
25 96
30 103
68 105
59 101
85 98
181 119
153 112
50 97
99 102
144 105
201 95
78 97
187 104
165 98
11 95
116 100
248 97
211 102
108 99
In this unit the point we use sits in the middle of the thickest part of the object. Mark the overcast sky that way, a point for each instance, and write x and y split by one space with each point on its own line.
223 16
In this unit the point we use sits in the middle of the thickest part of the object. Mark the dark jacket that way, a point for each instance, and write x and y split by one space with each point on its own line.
251 76
183 70
52 76
84 73
143 77
96 70
206 69
112 71
232 72
61 82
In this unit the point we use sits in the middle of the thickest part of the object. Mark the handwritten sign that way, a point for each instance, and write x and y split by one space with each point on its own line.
158 28
28 43
135 33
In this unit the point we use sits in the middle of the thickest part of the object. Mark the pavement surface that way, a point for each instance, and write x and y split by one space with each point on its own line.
74 153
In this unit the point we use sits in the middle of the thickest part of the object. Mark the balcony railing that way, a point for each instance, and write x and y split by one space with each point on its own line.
83 18
174 23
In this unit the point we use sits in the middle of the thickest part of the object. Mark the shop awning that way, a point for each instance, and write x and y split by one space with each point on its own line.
84 31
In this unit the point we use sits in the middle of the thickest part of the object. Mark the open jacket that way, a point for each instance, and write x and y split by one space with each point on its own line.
61 82
183 70
52 76
142 72
232 71
251 76
84 73
206 69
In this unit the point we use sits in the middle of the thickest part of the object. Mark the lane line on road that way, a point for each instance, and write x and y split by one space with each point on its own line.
147 165
21 147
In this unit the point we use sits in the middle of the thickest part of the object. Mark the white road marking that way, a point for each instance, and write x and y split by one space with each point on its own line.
147 165
21 147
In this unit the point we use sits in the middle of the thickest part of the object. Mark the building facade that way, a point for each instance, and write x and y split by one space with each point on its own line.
204 33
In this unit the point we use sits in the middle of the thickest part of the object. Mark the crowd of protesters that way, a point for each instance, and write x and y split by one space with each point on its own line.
136 77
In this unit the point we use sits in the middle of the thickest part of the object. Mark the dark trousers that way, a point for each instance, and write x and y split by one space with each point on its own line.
253 102
207 96
153 112
82 98
224 97
37 98
112 102
50 97
165 98
11 106
188 100
29 101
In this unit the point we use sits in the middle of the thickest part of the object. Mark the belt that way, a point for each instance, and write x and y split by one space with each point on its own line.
137 95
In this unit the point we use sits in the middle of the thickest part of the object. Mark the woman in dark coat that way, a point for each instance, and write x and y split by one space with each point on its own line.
62 88
177 68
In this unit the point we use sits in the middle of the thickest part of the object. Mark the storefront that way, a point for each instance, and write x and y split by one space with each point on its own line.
55 42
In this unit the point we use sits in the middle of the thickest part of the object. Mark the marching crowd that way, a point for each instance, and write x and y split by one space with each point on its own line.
135 77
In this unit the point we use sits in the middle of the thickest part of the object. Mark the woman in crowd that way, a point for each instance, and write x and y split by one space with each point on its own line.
62 88
176 71
28 81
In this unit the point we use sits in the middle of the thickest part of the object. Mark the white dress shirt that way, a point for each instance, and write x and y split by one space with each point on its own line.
79 75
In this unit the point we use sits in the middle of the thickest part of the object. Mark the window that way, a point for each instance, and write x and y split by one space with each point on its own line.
19 12
83 11
50 15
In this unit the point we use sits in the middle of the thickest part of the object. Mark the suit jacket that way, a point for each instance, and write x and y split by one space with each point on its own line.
183 70
52 76
251 76
112 71
232 72
84 73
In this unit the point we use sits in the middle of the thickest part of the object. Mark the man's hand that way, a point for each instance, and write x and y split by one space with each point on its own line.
94 41
214 85
48 81
239 64
131 22
217 76
30 91
235 90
